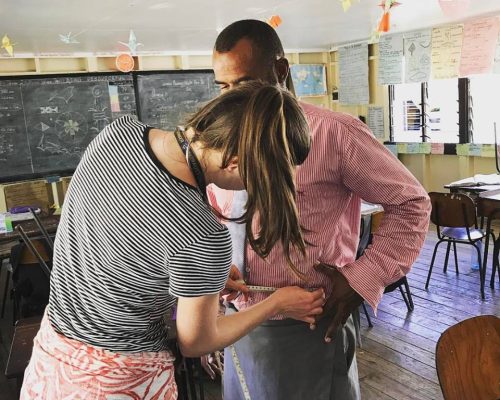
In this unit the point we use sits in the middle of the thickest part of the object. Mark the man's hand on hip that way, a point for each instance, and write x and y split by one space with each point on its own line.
341 303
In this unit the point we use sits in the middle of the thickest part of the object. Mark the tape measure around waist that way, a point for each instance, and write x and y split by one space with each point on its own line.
239 372
255 288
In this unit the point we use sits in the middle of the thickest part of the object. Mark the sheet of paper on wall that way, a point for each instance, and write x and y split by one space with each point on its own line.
475 149
463 149
393 148
308 79
488 150
417 50
376 121
413 148
353 74
496 62
390 60
478 47
446 51
437 148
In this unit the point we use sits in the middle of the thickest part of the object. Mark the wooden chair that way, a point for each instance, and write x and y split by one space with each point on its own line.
456 222
490 210
468 359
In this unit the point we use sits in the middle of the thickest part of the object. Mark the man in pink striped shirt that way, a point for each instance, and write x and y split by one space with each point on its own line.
284 359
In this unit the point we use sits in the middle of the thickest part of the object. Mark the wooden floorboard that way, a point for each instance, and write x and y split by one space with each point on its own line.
396 360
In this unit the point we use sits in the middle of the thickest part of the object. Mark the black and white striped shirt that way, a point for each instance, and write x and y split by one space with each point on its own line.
131 239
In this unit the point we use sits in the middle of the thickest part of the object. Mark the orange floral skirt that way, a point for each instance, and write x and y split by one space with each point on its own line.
62 368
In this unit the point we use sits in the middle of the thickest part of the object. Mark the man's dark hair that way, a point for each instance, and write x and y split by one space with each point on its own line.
263 37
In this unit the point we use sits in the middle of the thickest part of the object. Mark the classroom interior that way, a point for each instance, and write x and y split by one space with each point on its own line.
440 122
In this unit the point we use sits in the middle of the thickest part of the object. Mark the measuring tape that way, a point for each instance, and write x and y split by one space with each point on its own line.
255 288
239 372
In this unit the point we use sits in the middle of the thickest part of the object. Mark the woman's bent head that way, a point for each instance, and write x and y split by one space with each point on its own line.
263 128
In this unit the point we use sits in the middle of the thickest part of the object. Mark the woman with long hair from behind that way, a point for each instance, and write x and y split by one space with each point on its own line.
136 237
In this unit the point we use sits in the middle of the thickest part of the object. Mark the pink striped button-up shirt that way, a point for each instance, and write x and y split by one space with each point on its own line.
346 163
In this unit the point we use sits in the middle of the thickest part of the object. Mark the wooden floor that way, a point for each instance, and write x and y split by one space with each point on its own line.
396 360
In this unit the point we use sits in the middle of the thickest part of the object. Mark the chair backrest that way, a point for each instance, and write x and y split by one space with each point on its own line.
452 209
468 359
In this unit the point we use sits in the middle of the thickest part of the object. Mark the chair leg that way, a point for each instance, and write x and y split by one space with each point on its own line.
5 292
367 315
456 256
495 264
410 304
432 264
482 272
445 268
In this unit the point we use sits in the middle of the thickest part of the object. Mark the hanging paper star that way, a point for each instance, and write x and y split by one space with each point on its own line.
346 4
7 45
68 39
274 21
132 43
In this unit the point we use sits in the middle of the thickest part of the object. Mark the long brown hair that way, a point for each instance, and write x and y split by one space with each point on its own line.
264 126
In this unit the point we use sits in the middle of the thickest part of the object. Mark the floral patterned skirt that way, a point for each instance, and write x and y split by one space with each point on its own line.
62 368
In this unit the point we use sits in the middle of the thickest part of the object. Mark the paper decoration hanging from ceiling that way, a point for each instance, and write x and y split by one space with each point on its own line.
124 62
478 47
417 56
8 45
68 39
274 21
346 4
454 8
132 43
385 22
390 61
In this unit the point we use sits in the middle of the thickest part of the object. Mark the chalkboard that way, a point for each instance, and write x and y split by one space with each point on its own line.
46 123
166 98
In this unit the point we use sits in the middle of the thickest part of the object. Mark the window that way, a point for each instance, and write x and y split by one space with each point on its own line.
485 107
425 111
406 112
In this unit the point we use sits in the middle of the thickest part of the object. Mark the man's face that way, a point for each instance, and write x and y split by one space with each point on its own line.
240 64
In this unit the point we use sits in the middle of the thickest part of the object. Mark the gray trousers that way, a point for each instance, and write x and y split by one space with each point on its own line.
285 360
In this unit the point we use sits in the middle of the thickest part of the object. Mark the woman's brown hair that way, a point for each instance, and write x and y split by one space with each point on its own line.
263 125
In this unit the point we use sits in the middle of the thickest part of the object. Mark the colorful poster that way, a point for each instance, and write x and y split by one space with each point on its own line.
425 148
478 47
413 148
488 150
446 51
437 148
353 74
463 149
402 148
417 50
475 149
390 59
376 121
309 79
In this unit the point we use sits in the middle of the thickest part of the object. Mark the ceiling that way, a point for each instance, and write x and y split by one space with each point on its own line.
191 26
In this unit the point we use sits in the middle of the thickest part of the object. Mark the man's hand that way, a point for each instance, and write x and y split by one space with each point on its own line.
213 364
235 285
341 303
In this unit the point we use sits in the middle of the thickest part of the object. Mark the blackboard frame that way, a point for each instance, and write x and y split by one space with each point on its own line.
62 172
134 76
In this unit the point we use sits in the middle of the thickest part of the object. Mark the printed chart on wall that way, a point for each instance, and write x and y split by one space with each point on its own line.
166 98
46 124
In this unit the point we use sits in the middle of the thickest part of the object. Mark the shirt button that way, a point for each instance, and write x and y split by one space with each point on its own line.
247 269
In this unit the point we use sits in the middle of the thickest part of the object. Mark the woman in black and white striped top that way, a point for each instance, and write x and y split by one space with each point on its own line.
136 237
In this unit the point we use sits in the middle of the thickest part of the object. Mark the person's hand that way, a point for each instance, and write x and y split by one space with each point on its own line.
301 304
213 363
341 303
235 285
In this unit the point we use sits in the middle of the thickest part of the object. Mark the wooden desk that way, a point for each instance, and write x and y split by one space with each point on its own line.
50 222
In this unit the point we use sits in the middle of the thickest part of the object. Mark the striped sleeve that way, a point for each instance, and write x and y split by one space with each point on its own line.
372 172
202 267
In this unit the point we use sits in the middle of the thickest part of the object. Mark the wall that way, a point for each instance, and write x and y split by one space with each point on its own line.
433 171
